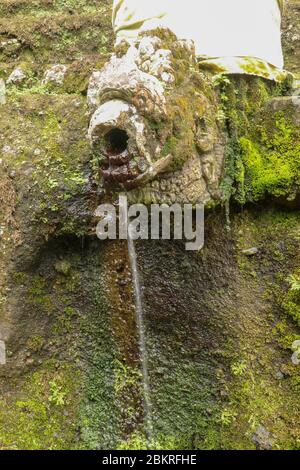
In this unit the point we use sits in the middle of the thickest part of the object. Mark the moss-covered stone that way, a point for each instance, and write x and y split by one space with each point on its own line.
58 36
291 36
41 413
49 157
263 147
272 162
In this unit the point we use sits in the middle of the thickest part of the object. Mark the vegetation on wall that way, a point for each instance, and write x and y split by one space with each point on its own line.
221 324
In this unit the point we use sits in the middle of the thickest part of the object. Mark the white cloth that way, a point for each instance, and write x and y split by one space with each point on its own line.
219 28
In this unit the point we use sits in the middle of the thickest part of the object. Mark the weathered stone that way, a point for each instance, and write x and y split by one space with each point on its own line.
2 353
262 438
17 77
250 251
2 92
10 46
145 133
55 75
198 21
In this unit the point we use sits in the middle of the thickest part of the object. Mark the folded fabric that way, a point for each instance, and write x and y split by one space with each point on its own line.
219 28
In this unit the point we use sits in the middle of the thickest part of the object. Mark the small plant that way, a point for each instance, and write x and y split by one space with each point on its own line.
238 368
253 422
35 343
125 376
227 417
57 396
294 282
221 79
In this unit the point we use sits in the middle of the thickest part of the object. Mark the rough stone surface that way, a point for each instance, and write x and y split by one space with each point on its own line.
2 92
2 353
262 439
219 325
291 36
55 75
17 77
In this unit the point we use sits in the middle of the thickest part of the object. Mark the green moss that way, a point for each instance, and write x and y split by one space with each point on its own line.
99 414
162 442
68 315
42 415
53 144
263 153
291 300
272 166
263 390
56 36
90 403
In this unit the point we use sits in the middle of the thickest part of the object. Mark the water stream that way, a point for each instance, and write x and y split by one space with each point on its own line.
142 341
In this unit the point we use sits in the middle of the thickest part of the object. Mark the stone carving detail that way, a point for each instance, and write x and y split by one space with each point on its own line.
154 122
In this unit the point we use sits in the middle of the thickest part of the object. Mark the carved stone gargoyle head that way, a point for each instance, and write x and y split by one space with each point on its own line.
154 126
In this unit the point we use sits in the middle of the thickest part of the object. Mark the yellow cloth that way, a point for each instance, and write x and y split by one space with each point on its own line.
219 28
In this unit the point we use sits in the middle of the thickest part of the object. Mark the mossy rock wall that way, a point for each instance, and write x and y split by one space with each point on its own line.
219 345
262 156
291 36
34 34
220 324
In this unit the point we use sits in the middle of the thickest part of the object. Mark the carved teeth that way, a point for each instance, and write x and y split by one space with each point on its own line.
125 176
122 174
118 174
120 159
154 170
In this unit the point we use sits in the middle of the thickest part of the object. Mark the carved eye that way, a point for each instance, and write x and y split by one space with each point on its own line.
201 124
142 99
144 102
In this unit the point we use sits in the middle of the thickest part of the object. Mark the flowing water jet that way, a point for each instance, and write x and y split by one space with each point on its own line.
142 339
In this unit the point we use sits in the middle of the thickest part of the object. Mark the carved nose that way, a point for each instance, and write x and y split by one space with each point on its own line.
109 122
117 133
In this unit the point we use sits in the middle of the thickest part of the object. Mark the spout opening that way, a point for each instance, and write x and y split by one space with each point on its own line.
116 141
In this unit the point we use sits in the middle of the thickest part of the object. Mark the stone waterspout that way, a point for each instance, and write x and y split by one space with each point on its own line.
156 126
153 123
